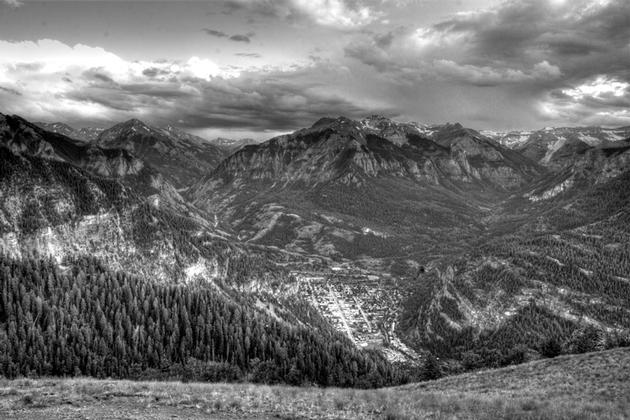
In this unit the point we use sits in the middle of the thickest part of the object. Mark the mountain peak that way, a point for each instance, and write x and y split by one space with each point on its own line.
134 122
323 122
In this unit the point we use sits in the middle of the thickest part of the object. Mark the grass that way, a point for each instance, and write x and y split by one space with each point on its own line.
588 386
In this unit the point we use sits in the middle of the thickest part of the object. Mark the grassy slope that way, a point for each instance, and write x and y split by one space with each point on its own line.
587 386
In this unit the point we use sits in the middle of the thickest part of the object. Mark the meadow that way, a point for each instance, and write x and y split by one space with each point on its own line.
586 386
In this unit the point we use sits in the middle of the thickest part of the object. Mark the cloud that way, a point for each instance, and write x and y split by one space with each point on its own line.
241 38
344 14
526 48
12 3
58 81
214 32
236 37
251 55
600 100
93 86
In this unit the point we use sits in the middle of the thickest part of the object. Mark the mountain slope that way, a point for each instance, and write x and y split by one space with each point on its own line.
346 151
180 157
230 146
86 134
342 189
552 264
62 197
550 146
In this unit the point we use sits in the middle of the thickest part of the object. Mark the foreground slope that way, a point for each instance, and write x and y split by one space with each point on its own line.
587 386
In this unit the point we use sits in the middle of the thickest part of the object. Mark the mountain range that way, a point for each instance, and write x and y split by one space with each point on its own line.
407 239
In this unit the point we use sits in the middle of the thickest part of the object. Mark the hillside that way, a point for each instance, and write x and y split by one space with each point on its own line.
484 255
64 198
179 156
87 134
549 146
553 263
372 188
588 386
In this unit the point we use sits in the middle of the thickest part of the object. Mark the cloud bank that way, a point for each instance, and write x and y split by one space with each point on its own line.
535 48
517 64
48 80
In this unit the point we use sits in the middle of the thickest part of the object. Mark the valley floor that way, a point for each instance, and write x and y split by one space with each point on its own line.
587 386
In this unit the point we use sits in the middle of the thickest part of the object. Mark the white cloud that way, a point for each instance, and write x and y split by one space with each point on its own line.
600 87
53 56
44 78
336 12
601 100
203 68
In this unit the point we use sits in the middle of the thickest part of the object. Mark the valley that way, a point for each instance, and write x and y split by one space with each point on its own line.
315 209
361 305
401 240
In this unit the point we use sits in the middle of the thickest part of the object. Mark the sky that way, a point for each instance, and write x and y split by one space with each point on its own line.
258 68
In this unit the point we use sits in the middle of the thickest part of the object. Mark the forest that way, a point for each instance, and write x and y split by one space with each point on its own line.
91 321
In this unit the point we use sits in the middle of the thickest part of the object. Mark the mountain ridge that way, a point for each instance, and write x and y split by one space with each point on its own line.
472 245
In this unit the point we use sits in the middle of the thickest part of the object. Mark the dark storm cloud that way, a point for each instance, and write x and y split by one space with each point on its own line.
581 37
242 38
271 105
236 37
214 32
576 34
276 101
532 47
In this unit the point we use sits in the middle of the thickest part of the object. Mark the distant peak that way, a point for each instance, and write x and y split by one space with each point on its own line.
377 117
134 122
323 121
454 125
